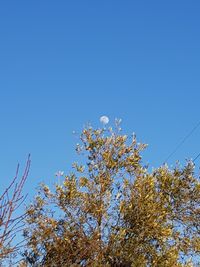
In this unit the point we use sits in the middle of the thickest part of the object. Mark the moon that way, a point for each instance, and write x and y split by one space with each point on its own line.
104 120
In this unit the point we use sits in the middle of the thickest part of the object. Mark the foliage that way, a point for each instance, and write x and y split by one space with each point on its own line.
10 222
113 211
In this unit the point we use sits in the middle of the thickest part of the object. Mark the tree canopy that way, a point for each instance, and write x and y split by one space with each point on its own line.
111 210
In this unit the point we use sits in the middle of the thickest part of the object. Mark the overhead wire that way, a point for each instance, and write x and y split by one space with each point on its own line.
196 157
182 142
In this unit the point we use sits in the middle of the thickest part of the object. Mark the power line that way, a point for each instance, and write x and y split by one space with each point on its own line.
196 157
182 142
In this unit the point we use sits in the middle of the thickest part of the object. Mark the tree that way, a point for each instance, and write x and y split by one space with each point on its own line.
11 222
112 211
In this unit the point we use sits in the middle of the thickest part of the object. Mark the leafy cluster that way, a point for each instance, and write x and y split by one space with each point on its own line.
112 211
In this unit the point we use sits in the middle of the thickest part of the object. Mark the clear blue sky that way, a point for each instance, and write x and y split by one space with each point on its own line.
64 63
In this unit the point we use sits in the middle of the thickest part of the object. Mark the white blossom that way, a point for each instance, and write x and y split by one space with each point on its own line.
59 173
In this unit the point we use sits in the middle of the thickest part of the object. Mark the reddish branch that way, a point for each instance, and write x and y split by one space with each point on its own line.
11 223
